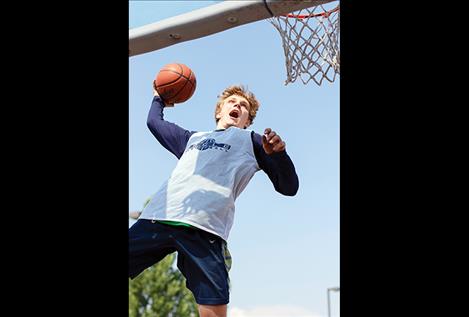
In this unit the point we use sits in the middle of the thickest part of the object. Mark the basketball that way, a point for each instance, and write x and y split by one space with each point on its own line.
175 83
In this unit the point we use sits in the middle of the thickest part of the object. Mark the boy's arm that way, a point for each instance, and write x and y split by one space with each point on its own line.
277 165
171 136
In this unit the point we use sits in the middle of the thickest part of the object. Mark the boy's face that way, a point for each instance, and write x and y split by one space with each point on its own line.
234 112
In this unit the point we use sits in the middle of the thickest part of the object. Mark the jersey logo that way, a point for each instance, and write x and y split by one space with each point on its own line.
209 144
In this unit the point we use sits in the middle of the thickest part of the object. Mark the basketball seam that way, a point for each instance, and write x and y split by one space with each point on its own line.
187 81
180 74
168 83
171 82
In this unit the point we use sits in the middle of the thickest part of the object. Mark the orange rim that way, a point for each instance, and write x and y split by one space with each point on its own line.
305 16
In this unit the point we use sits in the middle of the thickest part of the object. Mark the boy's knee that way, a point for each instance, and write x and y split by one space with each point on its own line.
212 310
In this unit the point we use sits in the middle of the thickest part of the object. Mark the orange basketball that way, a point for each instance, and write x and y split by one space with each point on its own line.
175 83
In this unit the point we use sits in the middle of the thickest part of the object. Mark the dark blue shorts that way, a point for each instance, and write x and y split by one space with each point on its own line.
203 258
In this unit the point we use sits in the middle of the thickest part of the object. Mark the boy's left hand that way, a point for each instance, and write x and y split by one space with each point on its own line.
272 142
155 93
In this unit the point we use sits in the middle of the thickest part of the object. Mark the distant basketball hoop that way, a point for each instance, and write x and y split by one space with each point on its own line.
310 39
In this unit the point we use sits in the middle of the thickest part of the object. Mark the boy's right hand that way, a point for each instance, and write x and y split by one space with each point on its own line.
155 93
135 214
272 142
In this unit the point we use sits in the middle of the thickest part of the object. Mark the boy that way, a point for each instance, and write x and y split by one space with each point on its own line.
192 213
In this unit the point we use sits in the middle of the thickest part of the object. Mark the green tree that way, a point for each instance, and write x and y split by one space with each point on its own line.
160 291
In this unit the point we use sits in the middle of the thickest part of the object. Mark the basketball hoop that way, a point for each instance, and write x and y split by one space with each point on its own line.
310 39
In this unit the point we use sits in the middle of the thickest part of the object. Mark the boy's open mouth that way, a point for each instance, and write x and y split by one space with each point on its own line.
234 113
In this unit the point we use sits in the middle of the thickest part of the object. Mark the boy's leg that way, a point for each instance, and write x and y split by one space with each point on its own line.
201 259
212 310
149 243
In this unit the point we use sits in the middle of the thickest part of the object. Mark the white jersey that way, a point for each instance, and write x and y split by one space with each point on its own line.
213 171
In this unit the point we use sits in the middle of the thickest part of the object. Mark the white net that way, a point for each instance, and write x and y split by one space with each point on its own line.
310 39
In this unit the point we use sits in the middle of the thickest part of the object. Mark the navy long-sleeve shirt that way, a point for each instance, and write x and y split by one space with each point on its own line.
278 165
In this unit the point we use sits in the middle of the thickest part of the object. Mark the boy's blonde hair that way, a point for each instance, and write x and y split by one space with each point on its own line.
240 91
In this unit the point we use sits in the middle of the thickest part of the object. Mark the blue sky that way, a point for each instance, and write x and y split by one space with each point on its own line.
285 249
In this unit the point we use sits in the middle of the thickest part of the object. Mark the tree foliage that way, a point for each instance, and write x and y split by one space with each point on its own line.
160 291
